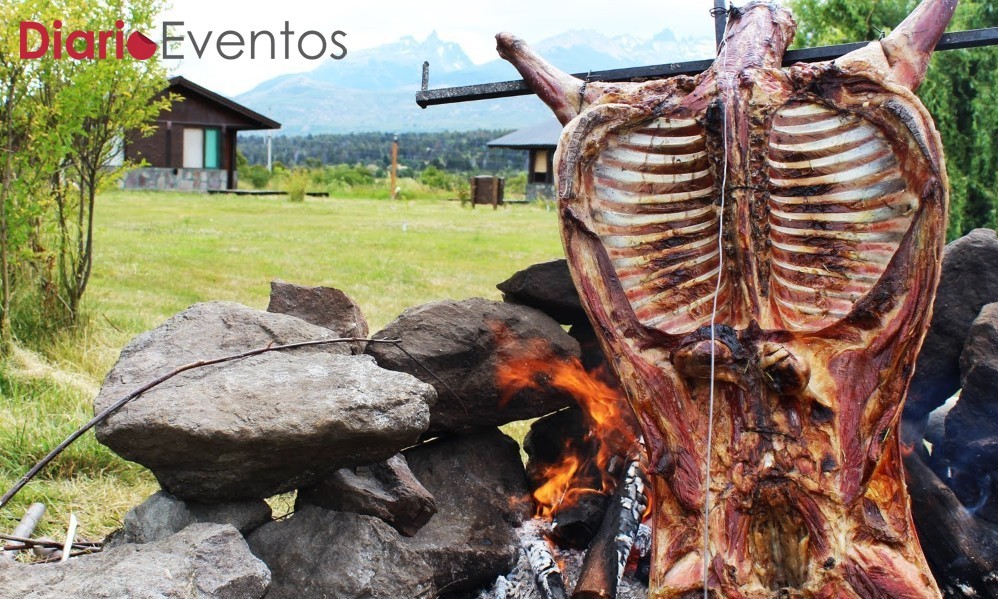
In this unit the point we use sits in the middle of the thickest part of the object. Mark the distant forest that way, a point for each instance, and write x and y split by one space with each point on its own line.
462 152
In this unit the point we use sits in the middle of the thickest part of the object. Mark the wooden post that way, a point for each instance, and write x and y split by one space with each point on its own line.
395 165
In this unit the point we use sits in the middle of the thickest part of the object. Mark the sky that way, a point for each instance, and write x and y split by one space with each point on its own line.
369 23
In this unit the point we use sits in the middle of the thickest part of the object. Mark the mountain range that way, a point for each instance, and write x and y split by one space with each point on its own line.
374 89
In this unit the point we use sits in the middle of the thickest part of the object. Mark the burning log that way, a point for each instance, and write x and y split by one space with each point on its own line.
607 556
575 522
757 248
547 574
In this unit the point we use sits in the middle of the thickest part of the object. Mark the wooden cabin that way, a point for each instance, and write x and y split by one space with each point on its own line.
194 146
539 141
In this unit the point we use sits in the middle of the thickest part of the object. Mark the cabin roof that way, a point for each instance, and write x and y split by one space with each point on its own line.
255 120
536 136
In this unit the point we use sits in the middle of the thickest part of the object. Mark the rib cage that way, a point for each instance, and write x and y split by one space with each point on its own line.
653 207
838 209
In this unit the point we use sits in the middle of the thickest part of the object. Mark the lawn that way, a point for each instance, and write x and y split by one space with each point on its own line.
158 253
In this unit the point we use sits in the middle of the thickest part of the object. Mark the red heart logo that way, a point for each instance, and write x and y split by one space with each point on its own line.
140 46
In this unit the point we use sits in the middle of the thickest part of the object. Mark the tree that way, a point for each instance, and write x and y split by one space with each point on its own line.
102 101
64 121
961 92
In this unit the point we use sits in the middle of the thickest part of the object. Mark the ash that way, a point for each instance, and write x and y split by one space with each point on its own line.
520 582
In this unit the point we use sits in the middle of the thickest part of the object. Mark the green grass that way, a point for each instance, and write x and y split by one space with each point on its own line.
158 253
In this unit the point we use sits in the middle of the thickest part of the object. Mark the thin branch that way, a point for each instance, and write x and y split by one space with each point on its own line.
28 543
180 369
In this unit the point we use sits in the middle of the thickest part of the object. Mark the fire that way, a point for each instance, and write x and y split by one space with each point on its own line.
558 483
531 364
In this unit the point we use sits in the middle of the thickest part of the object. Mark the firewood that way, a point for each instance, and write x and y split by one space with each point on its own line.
607 556
547 573
576 522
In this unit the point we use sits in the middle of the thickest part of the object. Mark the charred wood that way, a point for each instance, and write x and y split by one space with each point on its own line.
547 573
608 554
576 522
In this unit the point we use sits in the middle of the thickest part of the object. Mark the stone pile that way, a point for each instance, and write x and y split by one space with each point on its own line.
405 485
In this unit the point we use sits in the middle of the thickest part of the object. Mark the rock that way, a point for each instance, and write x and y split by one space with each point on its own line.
971 432
961 549
465 344
969 281
317 553
325 307
163 515
259 426
549 288
202 561
480 488
386 490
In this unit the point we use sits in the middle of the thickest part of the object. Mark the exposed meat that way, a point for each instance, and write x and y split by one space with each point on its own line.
808 204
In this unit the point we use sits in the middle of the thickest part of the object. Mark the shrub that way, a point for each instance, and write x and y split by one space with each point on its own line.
296 184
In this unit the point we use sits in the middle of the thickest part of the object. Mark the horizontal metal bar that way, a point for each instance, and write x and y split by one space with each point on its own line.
973 38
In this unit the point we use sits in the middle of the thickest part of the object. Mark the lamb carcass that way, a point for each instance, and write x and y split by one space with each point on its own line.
787 225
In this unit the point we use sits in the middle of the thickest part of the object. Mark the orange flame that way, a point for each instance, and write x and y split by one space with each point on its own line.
532 364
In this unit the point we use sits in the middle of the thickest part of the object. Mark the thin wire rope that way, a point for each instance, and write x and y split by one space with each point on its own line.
713 337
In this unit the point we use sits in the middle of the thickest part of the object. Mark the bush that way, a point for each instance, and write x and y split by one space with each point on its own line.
296 184
257 175
435 178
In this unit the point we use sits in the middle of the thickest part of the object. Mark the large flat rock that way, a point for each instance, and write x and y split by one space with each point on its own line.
258 426
465 344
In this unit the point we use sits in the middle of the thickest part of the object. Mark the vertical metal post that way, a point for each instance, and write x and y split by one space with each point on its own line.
720 21
395 165
270 151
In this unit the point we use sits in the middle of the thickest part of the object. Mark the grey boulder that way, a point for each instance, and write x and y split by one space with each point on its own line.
386 490
481 492
203 561
969 280
325 307
971 431
317 553
163 515
466 344
548 287
258 426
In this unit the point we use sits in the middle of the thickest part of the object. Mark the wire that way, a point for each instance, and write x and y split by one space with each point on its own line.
713 338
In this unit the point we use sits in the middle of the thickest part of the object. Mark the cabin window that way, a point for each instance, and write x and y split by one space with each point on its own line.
202 148
539 172
193 147
212 148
